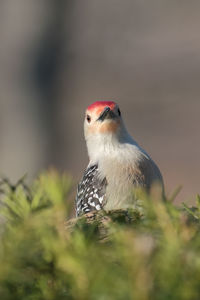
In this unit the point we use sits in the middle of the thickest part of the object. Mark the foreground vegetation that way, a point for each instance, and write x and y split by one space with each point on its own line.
149 254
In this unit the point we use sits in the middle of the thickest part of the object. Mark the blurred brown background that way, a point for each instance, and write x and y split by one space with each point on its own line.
57 57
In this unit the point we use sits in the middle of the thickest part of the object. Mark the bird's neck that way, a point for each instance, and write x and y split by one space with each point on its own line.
111 146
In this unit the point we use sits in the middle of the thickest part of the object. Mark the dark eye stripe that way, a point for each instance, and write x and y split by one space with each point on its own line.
119 112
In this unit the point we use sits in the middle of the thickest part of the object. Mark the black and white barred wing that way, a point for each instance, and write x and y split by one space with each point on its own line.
91 192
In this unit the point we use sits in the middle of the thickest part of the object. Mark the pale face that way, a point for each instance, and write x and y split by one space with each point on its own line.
102 118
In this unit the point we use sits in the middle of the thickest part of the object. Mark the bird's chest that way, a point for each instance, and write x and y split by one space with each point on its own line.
117 173
120 177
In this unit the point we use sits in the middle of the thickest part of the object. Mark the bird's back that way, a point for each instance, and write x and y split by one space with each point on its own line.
91 191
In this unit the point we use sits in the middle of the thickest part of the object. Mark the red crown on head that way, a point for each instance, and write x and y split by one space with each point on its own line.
97 104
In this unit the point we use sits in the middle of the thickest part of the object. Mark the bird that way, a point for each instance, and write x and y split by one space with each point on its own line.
117 164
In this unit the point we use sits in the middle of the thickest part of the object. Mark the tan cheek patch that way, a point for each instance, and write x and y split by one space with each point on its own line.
103 128
92 129
109 127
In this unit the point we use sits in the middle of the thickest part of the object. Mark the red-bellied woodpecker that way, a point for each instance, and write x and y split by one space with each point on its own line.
117 163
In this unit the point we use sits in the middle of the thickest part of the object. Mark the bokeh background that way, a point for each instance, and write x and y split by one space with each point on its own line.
57 57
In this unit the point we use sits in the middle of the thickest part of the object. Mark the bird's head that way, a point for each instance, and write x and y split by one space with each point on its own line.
102 118
104 130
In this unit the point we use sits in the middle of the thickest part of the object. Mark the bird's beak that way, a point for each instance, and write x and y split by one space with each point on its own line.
107 113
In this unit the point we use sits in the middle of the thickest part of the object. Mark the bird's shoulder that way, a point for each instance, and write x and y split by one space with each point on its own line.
147 172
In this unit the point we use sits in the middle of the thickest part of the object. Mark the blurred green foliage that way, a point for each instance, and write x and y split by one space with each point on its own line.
155 256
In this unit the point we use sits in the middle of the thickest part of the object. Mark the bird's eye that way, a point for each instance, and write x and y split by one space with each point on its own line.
88 118
119 112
